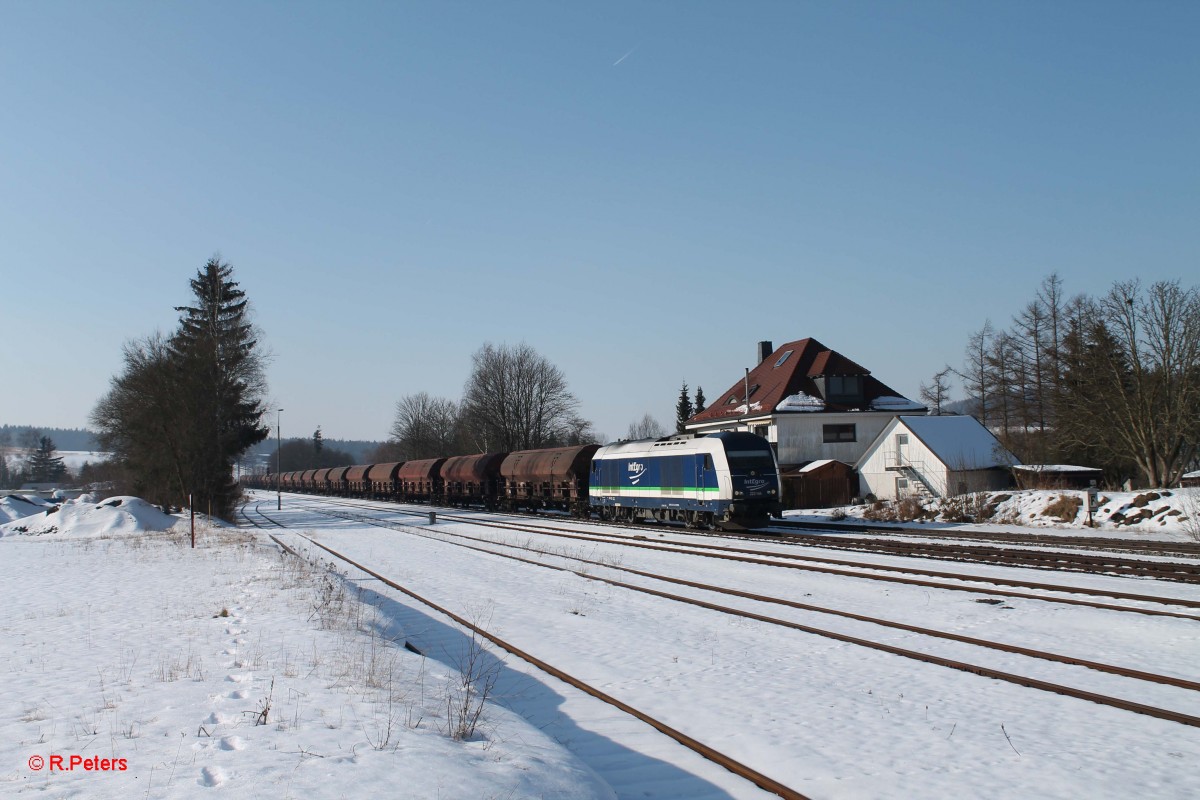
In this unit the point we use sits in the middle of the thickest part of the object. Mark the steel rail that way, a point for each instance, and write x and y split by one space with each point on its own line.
1096 542
976 669
712 551
736 767
1125 672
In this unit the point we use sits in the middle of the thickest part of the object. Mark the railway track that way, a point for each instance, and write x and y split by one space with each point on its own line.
733 765
1185 549
1062 560
1098 563
808 563
1022 680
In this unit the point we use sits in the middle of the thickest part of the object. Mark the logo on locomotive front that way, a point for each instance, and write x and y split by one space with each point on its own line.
754 485
636 471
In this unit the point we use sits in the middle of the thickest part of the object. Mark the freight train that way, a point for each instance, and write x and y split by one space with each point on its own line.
728 480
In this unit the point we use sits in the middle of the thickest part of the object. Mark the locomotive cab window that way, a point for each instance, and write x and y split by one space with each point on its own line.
750 459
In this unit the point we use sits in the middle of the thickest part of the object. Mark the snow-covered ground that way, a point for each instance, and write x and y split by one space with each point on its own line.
227 667
1166 514
121 642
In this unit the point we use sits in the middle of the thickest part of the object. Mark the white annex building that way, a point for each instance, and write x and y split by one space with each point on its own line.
934 456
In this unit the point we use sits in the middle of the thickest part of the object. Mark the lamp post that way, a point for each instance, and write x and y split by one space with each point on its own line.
278 448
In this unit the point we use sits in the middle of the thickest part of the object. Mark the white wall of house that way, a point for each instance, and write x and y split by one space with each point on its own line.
924 470
801 437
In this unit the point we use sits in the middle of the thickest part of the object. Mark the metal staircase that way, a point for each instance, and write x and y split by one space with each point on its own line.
918 484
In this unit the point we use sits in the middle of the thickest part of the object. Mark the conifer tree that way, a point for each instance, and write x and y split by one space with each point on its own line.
683 408
698 405
222 378
43 466
187 406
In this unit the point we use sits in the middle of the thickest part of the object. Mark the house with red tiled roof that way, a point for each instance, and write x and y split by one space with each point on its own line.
809 401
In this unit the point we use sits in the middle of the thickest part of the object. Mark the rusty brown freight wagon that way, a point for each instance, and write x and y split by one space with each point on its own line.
420 481
472 480
556 478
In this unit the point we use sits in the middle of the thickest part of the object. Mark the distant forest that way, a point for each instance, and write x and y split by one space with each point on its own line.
357 449
27 436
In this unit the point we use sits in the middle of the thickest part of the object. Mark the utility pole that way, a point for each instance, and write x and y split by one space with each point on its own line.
278 449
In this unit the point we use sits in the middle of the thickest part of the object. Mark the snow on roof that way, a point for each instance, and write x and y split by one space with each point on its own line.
1054 468
815 465
895 404
1195 474
960 442
755 406
801 402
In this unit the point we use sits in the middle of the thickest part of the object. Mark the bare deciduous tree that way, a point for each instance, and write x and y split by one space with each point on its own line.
936 393
646 428
426 426
1151 375
515 399
976 376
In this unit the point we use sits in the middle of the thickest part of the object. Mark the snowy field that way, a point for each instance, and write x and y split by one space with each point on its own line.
226 667
232 668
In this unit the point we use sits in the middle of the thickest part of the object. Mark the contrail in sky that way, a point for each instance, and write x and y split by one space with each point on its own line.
622 58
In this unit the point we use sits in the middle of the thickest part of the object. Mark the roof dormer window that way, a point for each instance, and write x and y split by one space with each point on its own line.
842 389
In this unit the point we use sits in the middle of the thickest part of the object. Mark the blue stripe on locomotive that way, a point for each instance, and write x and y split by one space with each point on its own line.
656 482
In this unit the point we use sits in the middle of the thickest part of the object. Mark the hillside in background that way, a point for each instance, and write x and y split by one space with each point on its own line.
81 439
26 436
355 447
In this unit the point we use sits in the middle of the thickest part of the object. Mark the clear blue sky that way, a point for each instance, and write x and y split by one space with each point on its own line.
639 190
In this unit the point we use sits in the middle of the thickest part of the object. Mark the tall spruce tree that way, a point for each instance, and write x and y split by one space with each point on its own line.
683 408
187 405
698 405
222 383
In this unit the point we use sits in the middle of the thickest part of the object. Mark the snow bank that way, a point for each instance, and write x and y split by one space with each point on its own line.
18 506
84 517
1171 514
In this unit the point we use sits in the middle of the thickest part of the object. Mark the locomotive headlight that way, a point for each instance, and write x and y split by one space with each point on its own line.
737 494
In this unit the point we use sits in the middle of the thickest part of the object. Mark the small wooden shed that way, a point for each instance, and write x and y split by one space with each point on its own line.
818 484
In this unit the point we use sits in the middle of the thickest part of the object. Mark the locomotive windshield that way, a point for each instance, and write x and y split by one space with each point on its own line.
751 459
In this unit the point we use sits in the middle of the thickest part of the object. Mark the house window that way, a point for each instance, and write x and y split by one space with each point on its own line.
835 434
901 487
760 430
844 386
782 359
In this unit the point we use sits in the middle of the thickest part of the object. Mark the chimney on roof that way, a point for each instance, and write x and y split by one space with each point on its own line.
764 349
